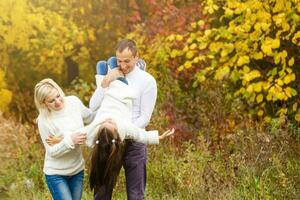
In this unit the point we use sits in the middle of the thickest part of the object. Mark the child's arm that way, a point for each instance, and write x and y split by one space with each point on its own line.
128 130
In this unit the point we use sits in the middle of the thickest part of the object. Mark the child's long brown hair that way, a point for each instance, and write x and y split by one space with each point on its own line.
106 161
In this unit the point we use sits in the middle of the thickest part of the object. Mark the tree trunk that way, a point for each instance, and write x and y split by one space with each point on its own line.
72 69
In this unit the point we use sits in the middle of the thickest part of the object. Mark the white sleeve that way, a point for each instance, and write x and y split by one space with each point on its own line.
128 130
86 113
91 130
56 150
148 100
97 97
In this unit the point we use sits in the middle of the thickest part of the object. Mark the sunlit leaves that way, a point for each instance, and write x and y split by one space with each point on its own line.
254 44
5 94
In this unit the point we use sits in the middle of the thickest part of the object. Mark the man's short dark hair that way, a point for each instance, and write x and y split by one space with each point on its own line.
127 43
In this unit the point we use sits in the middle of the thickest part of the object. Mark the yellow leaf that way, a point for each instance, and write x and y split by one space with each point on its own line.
202 45
194 25
193 46
222 72
189 54
258 87
297 117
5 99
295 38
174 53
171 37
91 35
250 88
200 23
260 113
180 68
188 64
185 49
291 62
269 97
275 43
265 26
79 40
266 49
243 60
267 119
295 106
246 69
289 78
179 37
290 92
279 82
258 55
259 98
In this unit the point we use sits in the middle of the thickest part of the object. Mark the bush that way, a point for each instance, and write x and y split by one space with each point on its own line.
253 45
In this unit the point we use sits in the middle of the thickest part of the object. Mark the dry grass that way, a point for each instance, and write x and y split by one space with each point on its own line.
13 140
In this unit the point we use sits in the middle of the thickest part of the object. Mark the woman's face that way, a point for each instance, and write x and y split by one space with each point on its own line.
54 101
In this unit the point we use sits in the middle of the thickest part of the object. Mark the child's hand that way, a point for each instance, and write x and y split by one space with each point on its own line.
111 75
78 138
167 134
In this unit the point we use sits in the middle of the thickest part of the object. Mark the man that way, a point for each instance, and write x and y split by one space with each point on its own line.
144 84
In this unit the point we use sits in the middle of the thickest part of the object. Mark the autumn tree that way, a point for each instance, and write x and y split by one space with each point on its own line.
34 44
5 94
254 45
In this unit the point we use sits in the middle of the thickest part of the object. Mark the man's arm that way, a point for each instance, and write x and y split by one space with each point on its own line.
147 104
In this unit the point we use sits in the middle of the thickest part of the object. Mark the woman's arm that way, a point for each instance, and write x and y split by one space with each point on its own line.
57 150
87 114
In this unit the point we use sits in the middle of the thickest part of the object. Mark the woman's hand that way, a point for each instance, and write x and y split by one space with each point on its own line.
167 134
78 138
52 140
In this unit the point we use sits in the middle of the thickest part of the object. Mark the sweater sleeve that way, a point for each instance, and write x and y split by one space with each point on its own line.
147 104
128 130
86 113
56 150
98 95
91 130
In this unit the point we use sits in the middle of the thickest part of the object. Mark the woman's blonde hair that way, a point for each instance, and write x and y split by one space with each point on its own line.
41 91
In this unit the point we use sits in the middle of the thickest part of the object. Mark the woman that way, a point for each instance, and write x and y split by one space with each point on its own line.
61 116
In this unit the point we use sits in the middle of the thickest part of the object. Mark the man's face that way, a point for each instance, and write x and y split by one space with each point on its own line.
126 61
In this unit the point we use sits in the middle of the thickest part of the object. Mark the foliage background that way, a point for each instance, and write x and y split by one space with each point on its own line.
227 73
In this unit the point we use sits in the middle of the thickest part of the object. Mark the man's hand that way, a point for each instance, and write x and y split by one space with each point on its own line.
167 134
52 140
111 75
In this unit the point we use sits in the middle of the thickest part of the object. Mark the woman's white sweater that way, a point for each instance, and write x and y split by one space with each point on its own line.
64 158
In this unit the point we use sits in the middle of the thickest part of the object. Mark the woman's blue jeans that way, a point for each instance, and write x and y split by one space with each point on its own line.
65 187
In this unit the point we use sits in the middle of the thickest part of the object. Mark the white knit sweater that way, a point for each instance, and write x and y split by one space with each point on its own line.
64 158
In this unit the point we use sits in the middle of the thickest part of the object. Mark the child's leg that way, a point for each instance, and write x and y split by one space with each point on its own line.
140 63
112 62
101 67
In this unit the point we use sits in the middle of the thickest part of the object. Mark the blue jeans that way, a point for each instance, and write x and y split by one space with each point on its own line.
65 187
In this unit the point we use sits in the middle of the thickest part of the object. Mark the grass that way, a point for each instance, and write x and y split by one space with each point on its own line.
250 163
